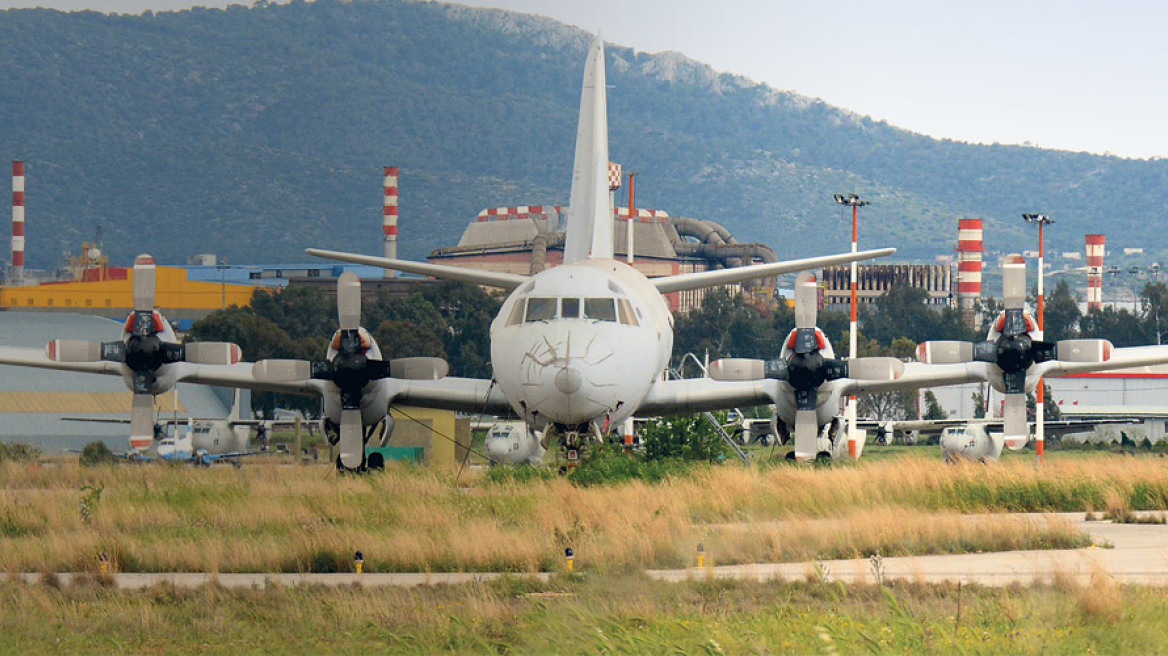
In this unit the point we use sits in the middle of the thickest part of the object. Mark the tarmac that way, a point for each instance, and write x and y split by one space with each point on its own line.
1127 553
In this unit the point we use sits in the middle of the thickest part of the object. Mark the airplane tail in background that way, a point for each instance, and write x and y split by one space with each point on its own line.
590 214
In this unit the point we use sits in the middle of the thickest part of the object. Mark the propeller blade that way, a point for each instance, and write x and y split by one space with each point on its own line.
737 369
1014 382
806 434
1015 429
1014 283
1083 350
349 301
945 352
281 371
143 381
142 421
213 352
76 350
806 301
875 368
144 278
352 445
418 368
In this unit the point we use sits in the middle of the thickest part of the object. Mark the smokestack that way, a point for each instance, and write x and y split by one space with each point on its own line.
389 221
969 250
17 224
1095 271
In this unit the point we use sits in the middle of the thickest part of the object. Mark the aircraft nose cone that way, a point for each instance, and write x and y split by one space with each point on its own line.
568 381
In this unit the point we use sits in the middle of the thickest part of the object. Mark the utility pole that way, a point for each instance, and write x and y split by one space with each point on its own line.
1039 438
853 201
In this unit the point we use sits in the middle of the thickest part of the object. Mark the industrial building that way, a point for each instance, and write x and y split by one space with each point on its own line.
873 280
529 238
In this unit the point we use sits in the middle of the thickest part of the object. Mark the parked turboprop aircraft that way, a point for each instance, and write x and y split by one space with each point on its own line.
148 356
581 347
809 381
1014 357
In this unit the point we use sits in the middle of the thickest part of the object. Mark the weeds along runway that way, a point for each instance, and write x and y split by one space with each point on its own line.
1127 553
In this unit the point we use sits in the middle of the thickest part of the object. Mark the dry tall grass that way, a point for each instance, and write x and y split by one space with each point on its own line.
271 517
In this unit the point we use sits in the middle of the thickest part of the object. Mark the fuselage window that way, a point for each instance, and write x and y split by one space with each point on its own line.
541 309
516 316
625 312
570 308
600 309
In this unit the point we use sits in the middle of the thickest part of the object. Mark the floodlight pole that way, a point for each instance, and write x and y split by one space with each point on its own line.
1039 406
853 201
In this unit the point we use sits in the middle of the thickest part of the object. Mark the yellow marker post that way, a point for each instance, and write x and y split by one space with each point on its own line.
358 562
701 555
568 558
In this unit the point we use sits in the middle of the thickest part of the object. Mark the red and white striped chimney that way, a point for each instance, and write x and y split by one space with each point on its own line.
969 252
1095 271
389 220
17 224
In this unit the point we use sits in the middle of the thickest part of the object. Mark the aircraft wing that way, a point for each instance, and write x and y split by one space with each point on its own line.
35 357
703 279
473 395
1121 358
671 397
487 278
917 375
240 375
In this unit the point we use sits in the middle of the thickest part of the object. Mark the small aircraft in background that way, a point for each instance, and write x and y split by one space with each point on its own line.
206 440
980 439
513 443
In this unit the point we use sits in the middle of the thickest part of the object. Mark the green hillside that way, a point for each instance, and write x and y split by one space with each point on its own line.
255 132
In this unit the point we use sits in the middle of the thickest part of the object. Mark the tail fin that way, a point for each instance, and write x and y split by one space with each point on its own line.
590 213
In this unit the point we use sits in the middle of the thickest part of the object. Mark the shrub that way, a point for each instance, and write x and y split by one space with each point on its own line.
96 453
19 452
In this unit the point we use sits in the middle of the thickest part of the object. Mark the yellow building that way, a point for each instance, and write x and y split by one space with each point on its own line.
177 297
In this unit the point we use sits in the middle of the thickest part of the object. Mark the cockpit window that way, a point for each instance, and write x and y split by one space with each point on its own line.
625 312
570 308
540 309
600 309
516 316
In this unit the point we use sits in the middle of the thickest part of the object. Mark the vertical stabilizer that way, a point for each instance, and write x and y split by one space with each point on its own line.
590 207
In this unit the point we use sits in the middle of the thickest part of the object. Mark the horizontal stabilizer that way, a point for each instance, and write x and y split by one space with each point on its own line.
703 279
475 277
418 368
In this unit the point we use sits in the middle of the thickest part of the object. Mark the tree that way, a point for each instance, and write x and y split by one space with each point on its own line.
1061 314
1154 298
933 409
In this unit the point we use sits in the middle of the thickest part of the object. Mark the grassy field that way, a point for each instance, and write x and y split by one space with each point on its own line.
589 614
289 518
272 516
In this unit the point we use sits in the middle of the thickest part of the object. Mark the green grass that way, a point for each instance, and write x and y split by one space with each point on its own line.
618 614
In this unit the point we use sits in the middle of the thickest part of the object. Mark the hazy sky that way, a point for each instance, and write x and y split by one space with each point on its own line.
1067 74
